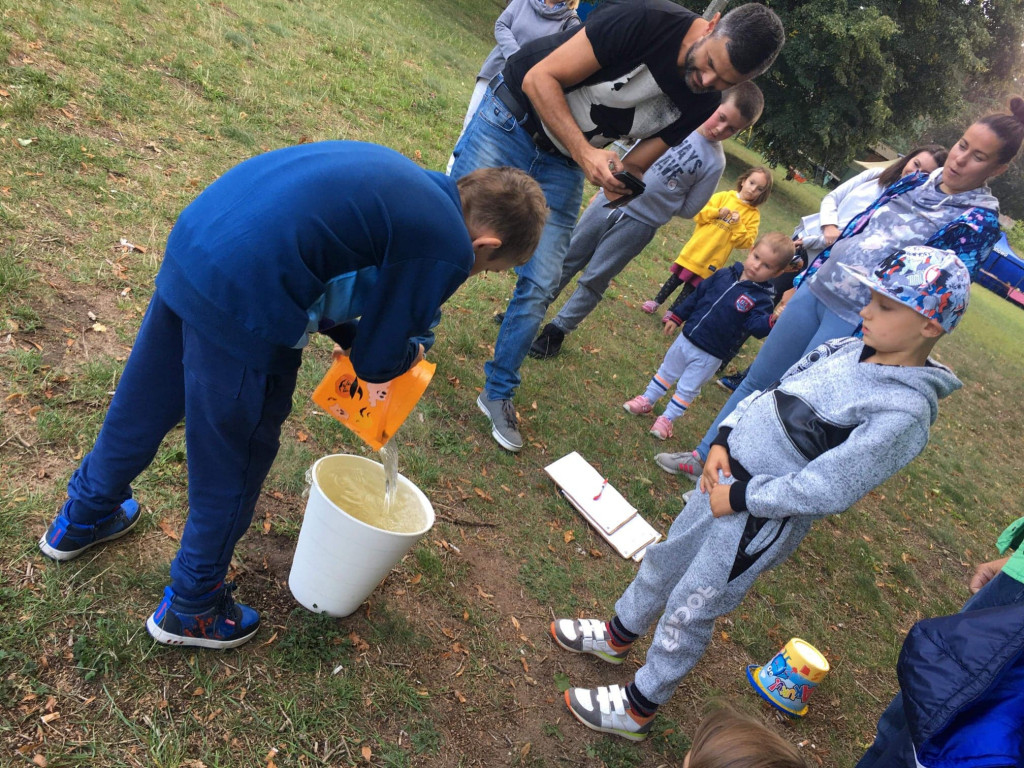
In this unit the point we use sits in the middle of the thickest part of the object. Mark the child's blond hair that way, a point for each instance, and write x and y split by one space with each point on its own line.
769 182
781 244
727 739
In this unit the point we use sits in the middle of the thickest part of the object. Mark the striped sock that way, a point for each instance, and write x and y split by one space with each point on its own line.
619 634
639 703
675 408
656 388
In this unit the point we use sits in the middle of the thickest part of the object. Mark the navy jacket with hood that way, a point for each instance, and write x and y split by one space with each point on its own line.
309 238
718 315
962 679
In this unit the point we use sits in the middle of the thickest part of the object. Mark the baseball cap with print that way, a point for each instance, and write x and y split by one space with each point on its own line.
931 281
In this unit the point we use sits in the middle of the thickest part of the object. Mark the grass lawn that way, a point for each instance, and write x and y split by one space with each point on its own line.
113 116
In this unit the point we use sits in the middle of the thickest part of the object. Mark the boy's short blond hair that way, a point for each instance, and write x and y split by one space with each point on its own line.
727 739
781 244
509 203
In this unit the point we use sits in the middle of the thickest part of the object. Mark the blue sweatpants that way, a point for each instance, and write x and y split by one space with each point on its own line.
233 416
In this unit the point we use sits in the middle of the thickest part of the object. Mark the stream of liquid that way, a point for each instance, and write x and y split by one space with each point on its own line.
389 458
357 489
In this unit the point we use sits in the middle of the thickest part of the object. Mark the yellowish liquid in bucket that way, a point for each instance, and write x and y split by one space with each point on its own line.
361 494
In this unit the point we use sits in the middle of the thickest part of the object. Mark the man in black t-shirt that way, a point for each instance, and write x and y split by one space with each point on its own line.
642 69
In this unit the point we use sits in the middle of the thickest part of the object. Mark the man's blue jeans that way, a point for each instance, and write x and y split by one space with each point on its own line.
893 747
804 325
494 138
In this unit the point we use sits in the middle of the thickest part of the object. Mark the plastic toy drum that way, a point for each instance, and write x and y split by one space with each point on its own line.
787 681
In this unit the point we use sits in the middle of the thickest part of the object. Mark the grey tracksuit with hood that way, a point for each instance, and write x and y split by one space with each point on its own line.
831 430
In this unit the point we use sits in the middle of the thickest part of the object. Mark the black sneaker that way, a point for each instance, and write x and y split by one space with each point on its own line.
217 622
549 343
65 540
498 318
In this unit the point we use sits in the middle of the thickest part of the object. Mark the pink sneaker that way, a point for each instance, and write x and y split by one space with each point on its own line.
650 306
662 428
638 406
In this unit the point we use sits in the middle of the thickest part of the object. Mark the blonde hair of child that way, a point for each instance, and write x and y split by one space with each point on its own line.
768 184
727 739
781 244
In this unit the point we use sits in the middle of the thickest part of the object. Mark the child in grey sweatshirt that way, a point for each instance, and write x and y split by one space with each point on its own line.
841 421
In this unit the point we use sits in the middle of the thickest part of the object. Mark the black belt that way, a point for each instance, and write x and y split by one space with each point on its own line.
522 115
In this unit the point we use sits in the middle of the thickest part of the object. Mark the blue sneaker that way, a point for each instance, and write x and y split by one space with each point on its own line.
730 383
217 622
65 540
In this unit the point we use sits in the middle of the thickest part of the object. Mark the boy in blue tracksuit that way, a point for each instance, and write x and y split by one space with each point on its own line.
718 316
345 238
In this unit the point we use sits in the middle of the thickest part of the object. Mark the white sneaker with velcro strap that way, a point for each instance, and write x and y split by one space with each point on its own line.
588 636
606 709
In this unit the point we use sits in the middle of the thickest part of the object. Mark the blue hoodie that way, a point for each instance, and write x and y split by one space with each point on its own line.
310 238
723 310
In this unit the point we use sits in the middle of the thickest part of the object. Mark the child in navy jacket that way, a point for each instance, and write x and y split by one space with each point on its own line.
303 239
716 318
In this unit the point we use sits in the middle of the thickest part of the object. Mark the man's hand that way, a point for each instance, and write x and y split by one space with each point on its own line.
718 459
831 233
985 572
720 506
669 327
798 243
598 166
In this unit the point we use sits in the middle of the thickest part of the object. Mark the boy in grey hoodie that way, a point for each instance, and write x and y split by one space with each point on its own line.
841 421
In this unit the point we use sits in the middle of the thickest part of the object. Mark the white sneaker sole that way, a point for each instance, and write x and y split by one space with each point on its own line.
62 556
498 438
166 638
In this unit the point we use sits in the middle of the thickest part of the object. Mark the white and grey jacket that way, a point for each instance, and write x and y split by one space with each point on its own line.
832 429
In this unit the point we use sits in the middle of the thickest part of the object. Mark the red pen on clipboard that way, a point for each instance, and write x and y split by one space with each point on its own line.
603 486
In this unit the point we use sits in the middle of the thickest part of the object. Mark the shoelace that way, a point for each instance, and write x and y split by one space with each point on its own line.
509 412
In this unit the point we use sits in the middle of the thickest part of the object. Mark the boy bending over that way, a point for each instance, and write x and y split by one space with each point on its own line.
841 421
288 243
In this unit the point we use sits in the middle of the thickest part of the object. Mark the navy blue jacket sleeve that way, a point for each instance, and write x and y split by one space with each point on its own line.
759 319
682 309
405 306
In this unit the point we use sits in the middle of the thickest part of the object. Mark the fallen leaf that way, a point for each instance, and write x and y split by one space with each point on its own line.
525 750
50 717
596 552
266 523
460 697
301 436
358 642
482 495
167 528
416 579
569 536
28 142
199 691
526 667
99 328
515 622
39 760
481 593
367 752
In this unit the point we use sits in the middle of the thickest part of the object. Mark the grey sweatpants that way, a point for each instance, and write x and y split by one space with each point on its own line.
604 241
700 572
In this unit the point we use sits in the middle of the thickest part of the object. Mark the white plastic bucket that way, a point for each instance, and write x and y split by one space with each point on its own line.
340 560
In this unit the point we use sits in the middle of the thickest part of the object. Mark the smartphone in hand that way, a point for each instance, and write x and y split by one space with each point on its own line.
636 188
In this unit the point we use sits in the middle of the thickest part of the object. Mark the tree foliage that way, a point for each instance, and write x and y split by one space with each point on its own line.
853 73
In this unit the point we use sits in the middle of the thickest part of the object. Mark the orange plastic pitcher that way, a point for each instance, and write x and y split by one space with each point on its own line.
345 397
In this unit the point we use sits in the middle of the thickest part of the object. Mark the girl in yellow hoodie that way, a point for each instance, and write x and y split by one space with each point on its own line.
729 220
